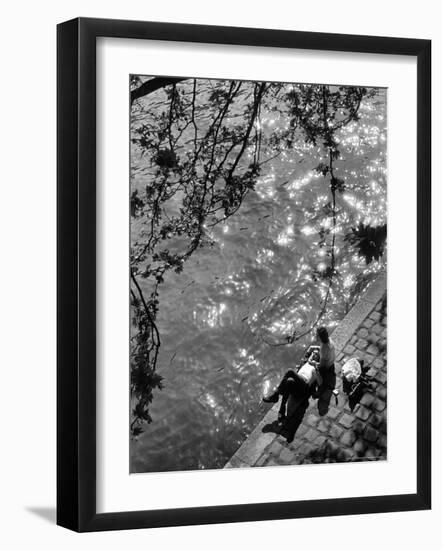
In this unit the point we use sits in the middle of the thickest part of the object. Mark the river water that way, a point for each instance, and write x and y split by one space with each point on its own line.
222 316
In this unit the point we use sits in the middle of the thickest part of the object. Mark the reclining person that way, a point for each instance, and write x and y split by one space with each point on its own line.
301 384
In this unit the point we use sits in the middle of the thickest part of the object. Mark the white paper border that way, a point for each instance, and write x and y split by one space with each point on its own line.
116 489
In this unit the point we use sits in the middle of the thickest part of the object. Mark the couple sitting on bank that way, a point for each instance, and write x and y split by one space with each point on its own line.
307 380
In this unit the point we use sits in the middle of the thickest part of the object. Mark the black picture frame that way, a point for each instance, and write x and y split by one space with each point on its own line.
76 274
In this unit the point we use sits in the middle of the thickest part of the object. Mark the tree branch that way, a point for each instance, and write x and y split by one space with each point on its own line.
152 85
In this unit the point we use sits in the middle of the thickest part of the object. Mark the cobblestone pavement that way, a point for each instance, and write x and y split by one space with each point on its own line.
333 428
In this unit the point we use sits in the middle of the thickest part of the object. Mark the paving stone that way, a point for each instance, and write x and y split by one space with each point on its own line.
295 444
275 448
368 323
346 420
369 359
333 413
376 420
381 393
312 420
305 449
377 329
332 447
320 440
371 368
363 333
379 405
348 438
350 349
376 316
373 350
372 373
344 455
311 434
378 363
359 447
370 434
336 432
367 399
324 425
302 430
382 441
371 453
361 344
358 427
363 413
280 462
286 456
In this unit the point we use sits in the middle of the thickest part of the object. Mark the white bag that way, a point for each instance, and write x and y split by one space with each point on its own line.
351 370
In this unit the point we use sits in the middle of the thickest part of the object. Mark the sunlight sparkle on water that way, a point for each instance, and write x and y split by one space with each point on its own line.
286 236
266 386
305 180
211 316
266 187
308 230
264 255
280 326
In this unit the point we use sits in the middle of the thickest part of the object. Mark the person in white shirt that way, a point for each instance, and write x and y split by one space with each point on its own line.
299 384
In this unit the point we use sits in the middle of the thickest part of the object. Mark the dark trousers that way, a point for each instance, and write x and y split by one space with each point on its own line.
292 385
328 376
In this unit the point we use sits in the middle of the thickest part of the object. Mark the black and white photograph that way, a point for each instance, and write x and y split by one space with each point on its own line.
258 257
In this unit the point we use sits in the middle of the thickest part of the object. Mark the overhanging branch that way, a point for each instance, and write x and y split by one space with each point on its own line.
153 84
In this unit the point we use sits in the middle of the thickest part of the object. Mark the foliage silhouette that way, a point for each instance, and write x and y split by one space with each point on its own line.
368 240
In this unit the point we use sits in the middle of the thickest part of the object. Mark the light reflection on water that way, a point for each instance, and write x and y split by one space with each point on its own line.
252 286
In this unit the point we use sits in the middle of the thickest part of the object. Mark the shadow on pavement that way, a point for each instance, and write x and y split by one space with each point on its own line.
295 415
